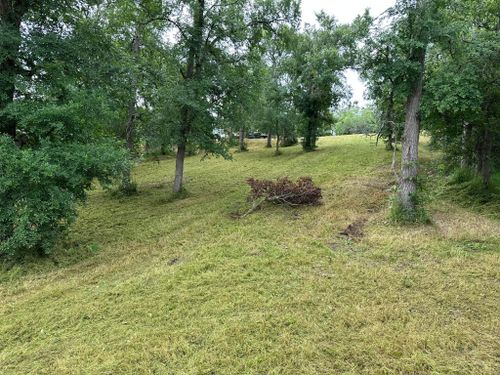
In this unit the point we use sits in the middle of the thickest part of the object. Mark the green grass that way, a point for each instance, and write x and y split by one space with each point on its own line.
148 284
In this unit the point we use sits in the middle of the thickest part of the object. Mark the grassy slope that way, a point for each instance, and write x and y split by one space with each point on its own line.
148 286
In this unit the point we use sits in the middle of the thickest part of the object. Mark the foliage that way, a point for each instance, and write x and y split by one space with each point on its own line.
461 107
355 120
461 92
40 187
320 55
59 102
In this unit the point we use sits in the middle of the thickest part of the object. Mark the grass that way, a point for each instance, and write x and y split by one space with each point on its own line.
148 284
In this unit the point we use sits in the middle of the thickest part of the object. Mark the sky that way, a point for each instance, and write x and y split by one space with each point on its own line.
345 11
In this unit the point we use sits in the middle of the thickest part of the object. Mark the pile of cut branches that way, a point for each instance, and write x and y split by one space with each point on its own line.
283 191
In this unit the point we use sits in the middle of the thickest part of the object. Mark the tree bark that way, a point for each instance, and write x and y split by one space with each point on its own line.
132 114
409 157
310 136
241 140
11 14
277 143
179 167
484 165
394 150
269 143
466 161
193 70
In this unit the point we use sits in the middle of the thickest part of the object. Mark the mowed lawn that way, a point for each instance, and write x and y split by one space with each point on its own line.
150 285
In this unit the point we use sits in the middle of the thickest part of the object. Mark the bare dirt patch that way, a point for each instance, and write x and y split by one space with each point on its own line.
355 230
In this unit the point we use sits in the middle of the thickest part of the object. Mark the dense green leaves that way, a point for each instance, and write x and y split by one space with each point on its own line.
459 42
355 120
40 187
58 104
320 56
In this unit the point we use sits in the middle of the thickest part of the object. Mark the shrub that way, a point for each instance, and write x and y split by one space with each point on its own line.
285 191
288 140
40 188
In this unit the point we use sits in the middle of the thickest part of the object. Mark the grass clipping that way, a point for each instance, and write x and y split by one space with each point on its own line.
282 191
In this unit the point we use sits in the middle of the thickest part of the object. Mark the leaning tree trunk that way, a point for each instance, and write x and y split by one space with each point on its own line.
269 143
11 14
409 157
193 70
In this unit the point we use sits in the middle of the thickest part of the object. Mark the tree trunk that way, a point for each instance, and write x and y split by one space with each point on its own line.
11 14
179 167
466 161
310 136
277 143
409 157
484 165
132 114
130 125
269 143
241 147
193 70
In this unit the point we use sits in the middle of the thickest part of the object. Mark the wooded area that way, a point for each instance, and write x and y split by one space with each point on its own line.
97 95
80 79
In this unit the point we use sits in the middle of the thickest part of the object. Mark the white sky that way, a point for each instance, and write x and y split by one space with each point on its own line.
345 11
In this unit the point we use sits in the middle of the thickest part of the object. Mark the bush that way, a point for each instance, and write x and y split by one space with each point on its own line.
285 191
289 140
40 188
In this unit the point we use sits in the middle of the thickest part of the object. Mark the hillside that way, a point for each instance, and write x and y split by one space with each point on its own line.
151 285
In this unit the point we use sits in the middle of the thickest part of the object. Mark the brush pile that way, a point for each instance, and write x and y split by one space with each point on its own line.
285 191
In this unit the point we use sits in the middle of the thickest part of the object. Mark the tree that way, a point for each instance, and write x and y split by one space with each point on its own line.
280 117
56 115
385 75
416 58
355 120
461 105
320 56
398 69
131 24
11 17
210 36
